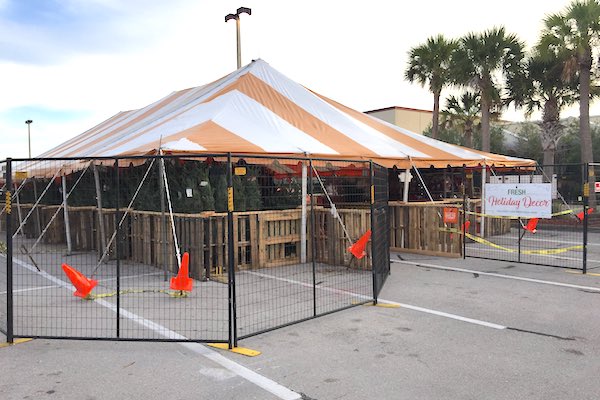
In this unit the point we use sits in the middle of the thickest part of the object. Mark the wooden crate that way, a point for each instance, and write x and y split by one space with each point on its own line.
419 228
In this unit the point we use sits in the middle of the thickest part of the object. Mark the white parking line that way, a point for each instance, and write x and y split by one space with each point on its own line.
487 250
517 278
259 380
403 305
32 289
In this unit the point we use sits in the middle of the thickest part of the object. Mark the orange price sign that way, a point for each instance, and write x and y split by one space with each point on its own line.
450 215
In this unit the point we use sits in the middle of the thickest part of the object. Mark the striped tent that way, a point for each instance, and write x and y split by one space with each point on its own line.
257 110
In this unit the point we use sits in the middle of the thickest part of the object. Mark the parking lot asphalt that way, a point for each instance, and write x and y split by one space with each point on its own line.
452 329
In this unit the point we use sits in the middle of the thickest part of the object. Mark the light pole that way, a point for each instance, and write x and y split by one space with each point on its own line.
28 122
236 16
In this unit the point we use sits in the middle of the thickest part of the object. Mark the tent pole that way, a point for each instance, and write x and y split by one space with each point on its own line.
38 223
99 206
19 210
303 222
407 179
163 216
66 214
483 181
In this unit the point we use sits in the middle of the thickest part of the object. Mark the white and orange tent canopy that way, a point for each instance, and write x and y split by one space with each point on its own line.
257 110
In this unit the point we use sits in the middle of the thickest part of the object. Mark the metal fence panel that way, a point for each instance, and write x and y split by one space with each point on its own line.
5 195
266 239
558 241
381 230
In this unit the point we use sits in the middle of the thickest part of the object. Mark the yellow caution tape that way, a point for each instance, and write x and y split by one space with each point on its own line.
509 250
177 293
552 251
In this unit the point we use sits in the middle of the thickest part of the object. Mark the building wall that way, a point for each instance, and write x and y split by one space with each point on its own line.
408 118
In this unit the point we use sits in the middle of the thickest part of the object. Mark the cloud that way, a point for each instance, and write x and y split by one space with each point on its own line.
49 127
50 31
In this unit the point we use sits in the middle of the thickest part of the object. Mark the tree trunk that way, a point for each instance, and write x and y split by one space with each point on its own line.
435 124
549 162
469 134
585 62
552 131
485 123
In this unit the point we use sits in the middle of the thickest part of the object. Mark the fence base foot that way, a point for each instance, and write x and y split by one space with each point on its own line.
17 341
238 350
379 304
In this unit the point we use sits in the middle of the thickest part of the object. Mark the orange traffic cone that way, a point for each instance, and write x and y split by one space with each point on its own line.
182 281
358 248
83 284
466 225
580 215
532 225
463 228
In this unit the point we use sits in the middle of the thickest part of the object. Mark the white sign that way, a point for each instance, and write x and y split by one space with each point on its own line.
526 179
597 187
528 200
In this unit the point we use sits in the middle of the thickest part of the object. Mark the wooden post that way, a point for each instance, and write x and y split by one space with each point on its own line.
66 214
99 208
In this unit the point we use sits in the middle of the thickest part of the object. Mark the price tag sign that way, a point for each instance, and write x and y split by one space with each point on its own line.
450 215
230 199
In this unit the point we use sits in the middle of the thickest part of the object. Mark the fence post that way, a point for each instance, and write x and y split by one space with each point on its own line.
586 195
230 256
313 235
118 247
9 255
464 213
519 227
373 231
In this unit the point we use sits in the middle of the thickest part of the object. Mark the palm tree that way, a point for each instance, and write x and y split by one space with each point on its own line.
477 63
574 33
428 64
544 88
463 112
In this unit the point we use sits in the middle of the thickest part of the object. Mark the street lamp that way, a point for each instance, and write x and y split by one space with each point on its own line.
28 122
236 16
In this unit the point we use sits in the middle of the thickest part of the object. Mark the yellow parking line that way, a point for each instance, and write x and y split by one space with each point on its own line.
579 272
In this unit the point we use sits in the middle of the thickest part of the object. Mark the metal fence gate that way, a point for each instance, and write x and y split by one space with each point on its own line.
267 242
569 239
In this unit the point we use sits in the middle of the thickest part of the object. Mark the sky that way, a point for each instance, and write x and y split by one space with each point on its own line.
70 64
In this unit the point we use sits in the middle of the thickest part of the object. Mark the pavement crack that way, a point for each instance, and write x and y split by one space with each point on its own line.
540 334
589 291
